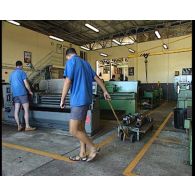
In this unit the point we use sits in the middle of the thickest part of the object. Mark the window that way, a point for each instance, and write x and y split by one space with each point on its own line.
83 55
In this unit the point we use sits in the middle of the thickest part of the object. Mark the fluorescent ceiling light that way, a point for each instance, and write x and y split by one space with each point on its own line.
131 41
157 34
103 54
117 42
85 48
127 43
92 27
132 51
14 22
165 46
124 43
56 38
132 38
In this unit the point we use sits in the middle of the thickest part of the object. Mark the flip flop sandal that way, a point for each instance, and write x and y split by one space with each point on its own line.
30 129
94 155
20 128
92 158
78 158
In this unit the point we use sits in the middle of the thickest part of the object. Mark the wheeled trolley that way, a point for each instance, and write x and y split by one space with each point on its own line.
133 133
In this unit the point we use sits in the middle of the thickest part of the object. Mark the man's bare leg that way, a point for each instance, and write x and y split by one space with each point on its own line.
83 145
82 136
26 117
16 115
26 114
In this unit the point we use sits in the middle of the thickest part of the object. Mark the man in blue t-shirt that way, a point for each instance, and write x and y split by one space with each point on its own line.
78 78
19 87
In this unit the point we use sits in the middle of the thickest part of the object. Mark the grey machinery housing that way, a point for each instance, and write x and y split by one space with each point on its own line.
45 108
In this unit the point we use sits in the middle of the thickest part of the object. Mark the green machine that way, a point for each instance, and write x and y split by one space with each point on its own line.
184 99
152 98
123 95
183 86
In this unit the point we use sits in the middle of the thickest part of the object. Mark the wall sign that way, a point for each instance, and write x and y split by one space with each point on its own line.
59 48
176 73
131 71
27 57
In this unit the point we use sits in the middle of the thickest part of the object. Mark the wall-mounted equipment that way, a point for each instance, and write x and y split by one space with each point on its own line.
187 71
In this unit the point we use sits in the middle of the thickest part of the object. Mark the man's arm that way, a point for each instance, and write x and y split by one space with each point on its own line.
27 86
66 87
101 84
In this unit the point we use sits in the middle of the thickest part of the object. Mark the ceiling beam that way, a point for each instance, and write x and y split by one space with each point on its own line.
147 28
81 36
62 31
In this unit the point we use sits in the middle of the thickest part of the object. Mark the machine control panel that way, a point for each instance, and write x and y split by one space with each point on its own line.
7 96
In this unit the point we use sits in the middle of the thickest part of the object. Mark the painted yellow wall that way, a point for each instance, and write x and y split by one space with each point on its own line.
17 39
160 67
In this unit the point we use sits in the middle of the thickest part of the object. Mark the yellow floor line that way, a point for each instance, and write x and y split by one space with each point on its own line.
107 140
38 152
145 148
53 155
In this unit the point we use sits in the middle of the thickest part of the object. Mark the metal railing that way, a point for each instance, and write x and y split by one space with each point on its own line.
38 71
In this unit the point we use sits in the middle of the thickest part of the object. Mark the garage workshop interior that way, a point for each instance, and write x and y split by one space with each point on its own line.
145 129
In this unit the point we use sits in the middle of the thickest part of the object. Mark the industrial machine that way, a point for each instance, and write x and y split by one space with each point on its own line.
134 125
151 98
45 107
7 107
183 87
7 96
123 95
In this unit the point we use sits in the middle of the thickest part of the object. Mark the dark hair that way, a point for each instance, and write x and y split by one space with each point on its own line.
19 63
70 51
113 76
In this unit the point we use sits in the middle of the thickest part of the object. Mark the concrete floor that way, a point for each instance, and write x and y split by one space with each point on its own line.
168 154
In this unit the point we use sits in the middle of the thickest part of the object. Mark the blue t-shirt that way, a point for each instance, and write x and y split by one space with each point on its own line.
82 76
16 79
